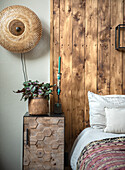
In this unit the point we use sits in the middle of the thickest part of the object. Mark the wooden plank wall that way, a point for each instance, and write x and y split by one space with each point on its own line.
83 34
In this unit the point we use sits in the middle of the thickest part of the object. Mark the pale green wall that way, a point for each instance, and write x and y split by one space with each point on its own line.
11 78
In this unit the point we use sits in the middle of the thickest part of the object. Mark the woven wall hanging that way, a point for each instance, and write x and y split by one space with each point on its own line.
20 29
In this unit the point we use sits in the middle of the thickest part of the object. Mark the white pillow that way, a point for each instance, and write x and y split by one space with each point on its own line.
115 120
97 104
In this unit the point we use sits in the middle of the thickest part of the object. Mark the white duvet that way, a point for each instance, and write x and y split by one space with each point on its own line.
85 137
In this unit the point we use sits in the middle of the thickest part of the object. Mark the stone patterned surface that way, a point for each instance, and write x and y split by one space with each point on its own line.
45 149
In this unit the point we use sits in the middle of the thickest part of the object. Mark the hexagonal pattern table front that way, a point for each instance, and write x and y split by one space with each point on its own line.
43 142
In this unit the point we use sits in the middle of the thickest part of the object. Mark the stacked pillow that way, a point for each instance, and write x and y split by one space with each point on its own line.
101 109
115 120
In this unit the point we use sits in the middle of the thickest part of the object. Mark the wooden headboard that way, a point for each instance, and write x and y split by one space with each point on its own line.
83 34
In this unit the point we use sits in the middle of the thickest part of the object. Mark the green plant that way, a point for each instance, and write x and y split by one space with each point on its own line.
33 89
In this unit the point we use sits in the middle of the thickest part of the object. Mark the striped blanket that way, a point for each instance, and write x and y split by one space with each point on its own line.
104 154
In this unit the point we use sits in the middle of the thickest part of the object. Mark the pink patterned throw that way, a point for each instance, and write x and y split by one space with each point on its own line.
103 155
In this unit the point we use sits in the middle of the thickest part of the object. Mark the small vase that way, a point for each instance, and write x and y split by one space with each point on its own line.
38 106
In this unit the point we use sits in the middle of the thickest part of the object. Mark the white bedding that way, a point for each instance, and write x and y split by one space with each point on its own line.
85 137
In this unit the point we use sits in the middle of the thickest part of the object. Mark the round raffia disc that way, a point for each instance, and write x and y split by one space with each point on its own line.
20 29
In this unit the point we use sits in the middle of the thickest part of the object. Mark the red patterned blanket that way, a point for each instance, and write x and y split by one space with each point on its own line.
104 154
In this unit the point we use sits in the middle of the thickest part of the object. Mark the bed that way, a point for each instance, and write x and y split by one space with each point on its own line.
87 136
102 145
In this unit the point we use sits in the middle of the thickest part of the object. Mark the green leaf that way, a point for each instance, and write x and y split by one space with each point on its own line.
22 96
52 85
20 91
30 87
35 95
33 89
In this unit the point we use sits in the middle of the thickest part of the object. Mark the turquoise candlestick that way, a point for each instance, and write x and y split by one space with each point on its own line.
59 66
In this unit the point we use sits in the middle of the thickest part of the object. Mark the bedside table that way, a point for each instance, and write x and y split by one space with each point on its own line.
43 142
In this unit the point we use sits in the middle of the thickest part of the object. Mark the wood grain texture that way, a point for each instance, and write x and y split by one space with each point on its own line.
56 43
123 62
116 56
90 52
45 149
78 66
66 54
104 49
85 32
